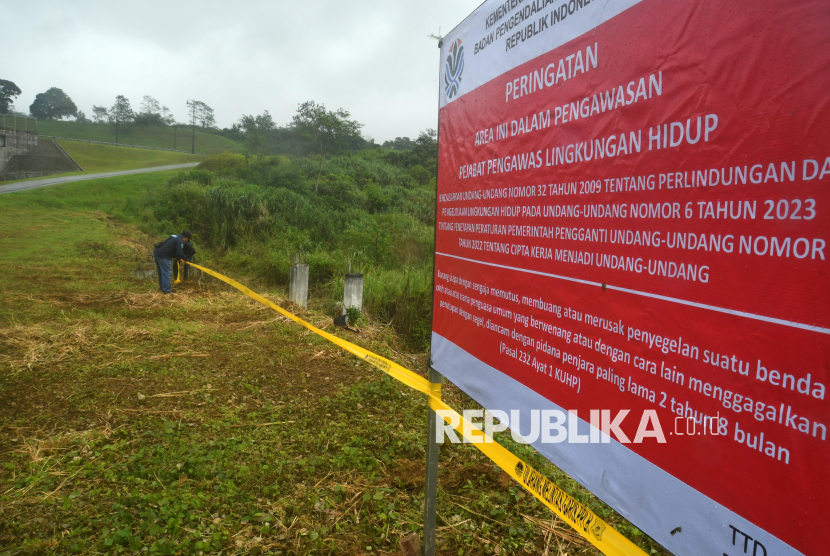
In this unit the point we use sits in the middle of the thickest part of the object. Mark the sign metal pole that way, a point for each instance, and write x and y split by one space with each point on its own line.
431 483
431 488
433 446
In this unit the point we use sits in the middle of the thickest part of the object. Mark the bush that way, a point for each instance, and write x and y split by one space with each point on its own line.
224 162
286 175
256 212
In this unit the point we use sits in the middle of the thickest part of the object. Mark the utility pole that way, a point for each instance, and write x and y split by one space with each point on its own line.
193 104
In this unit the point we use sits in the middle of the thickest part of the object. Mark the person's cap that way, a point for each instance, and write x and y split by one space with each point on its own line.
186 234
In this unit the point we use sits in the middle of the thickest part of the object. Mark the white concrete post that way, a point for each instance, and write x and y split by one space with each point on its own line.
298 285
353 292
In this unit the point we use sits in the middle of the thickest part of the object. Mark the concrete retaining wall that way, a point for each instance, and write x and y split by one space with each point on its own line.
15 142
47 157
14 176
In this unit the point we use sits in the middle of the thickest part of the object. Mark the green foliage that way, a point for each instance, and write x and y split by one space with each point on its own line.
353 314
201 114
54 104
257 211
325 129
8 92
121 112
224 162
399 144
256 129
424 153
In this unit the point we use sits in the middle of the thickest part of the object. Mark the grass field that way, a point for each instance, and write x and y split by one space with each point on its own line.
104 158
166 137
132 422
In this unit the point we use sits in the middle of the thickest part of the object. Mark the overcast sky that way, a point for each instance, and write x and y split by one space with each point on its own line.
370 57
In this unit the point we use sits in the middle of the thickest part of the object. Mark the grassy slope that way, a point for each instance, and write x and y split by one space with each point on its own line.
202 421
104 158
165 137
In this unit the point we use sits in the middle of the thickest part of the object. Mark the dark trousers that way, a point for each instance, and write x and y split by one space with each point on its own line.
163 272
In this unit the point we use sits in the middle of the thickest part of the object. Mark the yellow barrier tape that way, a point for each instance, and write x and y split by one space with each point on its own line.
585 522
180 274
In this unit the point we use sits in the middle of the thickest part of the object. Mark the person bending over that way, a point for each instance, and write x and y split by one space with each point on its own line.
165 251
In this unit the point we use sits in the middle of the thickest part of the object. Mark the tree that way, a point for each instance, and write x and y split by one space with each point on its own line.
99 114
206 117
81 117
121 113
255 129
149 105
325 128
8 92
150 112
399 144
54 104
426 150
200 113
167 116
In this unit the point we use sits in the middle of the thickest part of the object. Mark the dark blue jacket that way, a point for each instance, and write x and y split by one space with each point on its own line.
171 248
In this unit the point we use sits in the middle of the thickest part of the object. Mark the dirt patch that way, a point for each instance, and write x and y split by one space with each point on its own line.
478 473
410 475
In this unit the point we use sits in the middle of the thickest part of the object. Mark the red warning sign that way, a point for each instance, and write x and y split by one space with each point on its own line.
633 213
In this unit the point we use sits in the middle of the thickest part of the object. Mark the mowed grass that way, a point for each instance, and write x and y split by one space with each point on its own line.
104 158
132 422
166 137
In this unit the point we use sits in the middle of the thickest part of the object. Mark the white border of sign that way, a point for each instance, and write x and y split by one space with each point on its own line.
494 61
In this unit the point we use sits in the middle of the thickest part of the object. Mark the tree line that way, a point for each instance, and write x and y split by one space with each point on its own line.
55 104
316 131
313 130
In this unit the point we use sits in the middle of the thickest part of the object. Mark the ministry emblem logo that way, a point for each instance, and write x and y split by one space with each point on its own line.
453 69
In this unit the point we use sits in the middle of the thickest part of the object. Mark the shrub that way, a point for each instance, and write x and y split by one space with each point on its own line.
224 162
257 211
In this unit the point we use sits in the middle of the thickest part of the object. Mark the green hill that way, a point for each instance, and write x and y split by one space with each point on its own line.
166 137
105 158
94 158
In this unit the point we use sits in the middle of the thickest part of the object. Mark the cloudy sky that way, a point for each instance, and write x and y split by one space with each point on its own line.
370 57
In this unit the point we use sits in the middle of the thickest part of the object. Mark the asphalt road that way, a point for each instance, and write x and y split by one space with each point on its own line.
34 184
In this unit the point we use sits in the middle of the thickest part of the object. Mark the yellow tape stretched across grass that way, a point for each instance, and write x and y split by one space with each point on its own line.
583 520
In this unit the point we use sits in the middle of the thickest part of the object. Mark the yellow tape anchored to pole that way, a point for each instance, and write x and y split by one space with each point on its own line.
607 539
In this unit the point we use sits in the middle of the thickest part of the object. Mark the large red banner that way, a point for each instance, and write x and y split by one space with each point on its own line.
635 216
